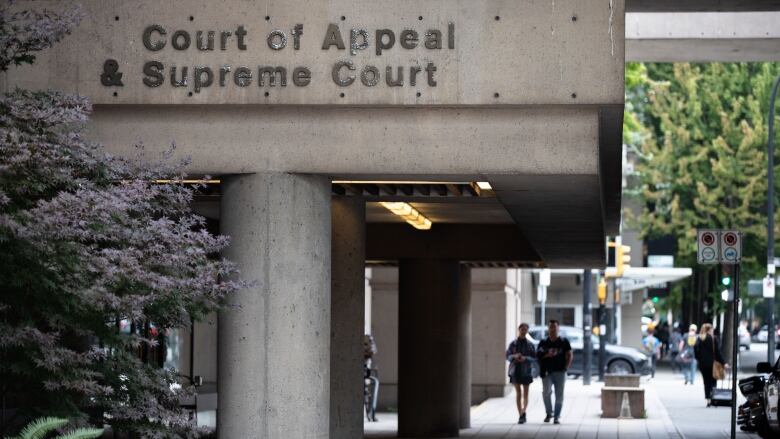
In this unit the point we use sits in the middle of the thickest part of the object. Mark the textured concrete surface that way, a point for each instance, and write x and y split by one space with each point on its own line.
274 343
348 255
537 53
379 143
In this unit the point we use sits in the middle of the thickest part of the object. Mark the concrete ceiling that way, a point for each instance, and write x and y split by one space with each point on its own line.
703 36
701 5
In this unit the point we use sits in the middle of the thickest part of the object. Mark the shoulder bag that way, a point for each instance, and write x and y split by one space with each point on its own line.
718 372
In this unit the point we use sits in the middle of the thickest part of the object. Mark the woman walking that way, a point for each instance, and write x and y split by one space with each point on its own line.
707 352
687 356
521 354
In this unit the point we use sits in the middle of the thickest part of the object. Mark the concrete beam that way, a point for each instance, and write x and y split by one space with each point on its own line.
701 5
466 242
703 37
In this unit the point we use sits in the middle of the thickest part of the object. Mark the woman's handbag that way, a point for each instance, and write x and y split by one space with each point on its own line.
718 372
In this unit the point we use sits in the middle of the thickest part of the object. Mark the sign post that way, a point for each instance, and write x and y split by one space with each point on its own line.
725 247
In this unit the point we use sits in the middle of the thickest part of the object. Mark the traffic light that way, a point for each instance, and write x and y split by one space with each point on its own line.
623 258
619 257
725 276
602 291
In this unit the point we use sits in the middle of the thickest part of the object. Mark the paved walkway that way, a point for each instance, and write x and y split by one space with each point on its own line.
581 418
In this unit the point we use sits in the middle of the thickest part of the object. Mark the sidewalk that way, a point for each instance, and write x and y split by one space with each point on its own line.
496 418
687 409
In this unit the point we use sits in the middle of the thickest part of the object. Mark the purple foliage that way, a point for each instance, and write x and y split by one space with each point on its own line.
87 240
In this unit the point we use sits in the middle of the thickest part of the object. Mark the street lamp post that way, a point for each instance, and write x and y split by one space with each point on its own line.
770 245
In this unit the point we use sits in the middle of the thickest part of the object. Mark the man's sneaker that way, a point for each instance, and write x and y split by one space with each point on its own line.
547 418
556 421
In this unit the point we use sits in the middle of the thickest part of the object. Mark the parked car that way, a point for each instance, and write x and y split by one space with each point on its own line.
762 335
744 337
620 359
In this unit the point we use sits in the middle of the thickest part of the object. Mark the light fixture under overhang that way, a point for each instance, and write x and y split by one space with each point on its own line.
484 185
409 214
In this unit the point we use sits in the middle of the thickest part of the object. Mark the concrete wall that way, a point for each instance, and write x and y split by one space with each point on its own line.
539 53
493 320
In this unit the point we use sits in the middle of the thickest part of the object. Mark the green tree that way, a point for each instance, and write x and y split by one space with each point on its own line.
700 133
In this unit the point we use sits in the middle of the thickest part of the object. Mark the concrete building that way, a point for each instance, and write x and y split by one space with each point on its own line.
311 114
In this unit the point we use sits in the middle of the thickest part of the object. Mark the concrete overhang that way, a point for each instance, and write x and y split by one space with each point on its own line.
528 96
701 5
703 37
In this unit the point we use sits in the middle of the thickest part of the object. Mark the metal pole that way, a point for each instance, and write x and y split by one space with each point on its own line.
587 322
770 228
734 353
602 341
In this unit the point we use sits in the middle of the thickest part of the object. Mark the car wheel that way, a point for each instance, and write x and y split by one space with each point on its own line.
620 367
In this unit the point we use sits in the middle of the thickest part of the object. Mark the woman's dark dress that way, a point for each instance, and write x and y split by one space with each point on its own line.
521 373
706 354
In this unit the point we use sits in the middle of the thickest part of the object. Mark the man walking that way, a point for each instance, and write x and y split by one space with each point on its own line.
652 347
555 356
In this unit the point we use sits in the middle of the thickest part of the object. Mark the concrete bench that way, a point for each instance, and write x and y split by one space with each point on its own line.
612 400
623 380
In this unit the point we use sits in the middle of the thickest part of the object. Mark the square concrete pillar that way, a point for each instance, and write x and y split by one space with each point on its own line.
428 404
464 346
274 338
348 281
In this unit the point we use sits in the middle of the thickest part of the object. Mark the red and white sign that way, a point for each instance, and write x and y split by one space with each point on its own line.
730 246
707 241
719 246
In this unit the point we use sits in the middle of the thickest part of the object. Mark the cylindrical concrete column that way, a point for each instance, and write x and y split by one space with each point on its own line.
348 255
428 404
464 346
274 342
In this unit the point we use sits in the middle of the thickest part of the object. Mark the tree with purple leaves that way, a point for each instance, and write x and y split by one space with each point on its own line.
98 261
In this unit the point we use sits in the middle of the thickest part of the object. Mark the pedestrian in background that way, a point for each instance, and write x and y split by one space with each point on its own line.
687 355
674 347
521 355
652 347
707 351
555 356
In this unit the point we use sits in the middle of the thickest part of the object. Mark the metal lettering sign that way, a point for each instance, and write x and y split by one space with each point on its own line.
719 246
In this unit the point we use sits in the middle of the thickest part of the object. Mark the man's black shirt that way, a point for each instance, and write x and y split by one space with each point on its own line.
557 362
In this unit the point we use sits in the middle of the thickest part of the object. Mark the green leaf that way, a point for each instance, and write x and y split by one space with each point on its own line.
83 433
39 428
